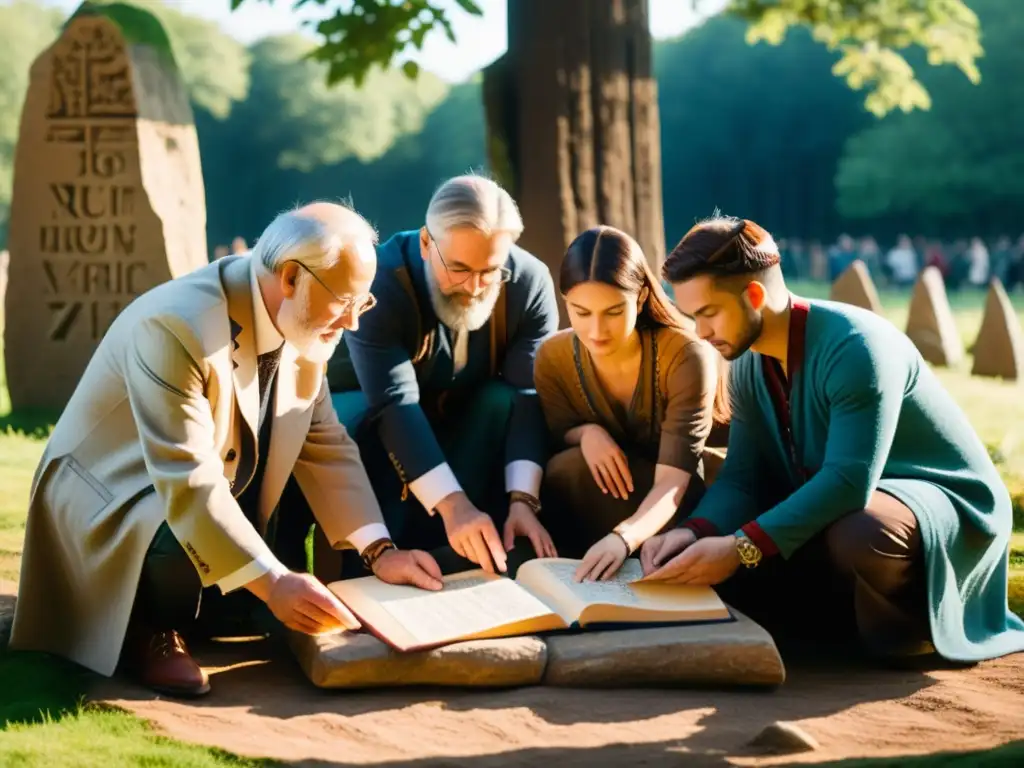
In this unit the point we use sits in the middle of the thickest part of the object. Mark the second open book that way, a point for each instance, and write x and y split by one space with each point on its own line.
543 597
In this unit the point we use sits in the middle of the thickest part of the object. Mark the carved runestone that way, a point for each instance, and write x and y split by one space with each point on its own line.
108 197
930 324
999 348
855 287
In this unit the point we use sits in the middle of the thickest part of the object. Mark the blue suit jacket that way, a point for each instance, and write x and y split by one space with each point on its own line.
389 337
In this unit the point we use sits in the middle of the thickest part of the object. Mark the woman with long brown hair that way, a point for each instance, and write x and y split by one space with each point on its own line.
630 395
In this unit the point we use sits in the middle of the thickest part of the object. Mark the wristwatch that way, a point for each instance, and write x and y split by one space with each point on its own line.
750 554
526 498
373 552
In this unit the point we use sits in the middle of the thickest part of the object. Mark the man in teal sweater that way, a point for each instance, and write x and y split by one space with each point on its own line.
853 481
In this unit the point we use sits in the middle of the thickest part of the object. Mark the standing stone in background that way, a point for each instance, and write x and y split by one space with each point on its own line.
999 348
855 287
930 324
108 197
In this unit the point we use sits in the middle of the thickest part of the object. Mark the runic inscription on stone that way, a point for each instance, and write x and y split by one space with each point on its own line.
107 201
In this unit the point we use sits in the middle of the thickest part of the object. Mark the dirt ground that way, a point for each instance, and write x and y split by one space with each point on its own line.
262 705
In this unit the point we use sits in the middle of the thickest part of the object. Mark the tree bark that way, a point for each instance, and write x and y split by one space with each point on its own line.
572 116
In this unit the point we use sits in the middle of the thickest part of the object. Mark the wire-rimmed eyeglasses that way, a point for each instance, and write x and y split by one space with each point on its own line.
460 275
356 304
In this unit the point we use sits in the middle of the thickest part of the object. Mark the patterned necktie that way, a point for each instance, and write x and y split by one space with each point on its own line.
266 367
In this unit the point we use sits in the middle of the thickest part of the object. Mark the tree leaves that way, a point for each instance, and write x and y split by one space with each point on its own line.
360 35
959 160
303 123
870 35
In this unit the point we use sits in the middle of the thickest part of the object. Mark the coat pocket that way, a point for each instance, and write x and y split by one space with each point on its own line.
75 492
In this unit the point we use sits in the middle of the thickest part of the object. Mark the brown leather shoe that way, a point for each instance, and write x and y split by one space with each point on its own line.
161 661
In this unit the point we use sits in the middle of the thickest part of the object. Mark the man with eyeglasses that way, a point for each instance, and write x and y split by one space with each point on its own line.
437 382
179 485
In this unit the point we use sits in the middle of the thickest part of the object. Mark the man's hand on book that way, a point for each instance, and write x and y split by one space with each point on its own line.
603 560
523 522
706 562
658 550
301 602
471 533
408 566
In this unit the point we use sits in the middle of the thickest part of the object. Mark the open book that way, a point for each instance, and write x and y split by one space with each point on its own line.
543 597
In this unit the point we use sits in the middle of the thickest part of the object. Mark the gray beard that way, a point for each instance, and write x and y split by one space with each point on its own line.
458 318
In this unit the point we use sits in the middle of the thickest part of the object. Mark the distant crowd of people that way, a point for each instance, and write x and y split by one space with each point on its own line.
964 263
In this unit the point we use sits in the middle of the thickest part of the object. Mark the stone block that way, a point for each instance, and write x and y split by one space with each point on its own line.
856 287
360 660
107 200
930 323
999 349
725 654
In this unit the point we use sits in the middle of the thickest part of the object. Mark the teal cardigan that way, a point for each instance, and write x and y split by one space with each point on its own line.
868 413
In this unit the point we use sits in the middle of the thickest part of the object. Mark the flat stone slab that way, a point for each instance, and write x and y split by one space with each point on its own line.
358 660
726 654
737 653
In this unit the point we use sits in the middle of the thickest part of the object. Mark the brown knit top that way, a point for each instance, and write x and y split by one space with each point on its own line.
670 416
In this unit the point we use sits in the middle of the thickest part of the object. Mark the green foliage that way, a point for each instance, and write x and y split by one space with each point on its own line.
361 35
958 162
870 35
758 129
26 28
304 123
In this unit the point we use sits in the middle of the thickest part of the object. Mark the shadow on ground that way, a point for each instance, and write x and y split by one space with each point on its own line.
38 688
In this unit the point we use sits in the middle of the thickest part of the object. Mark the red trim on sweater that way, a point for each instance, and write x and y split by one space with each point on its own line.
764 542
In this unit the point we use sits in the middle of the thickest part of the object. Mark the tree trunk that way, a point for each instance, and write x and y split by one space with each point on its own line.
572 116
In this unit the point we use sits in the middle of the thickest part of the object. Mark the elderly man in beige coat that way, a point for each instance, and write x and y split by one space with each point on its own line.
162 492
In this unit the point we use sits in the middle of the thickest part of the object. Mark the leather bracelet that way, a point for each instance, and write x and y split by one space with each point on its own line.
629 549
528 499
373 552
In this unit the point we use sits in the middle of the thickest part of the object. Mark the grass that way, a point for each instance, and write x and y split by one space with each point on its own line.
43 718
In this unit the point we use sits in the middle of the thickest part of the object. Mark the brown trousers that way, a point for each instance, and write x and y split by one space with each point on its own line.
860 581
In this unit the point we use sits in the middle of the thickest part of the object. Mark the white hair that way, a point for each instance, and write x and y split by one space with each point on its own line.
317 243
475 202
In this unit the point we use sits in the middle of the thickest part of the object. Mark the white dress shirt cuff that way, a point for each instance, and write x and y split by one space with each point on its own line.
435 485
363 537
265 563
525 476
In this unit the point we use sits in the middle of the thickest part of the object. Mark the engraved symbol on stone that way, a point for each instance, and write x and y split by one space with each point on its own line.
90 76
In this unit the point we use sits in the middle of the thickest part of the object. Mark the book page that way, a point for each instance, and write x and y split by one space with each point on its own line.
620 598
471 605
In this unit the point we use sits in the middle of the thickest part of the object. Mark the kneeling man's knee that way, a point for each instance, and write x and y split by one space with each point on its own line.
876 544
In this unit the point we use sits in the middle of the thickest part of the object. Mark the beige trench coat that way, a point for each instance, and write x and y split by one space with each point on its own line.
154 432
